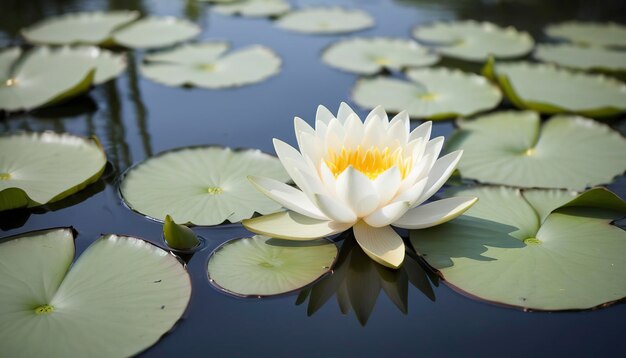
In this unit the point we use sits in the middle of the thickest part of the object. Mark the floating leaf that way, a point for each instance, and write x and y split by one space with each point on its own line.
153 32
261 266
436 93
370 55
78 28
206 65
325 20
38 168
515 148
108 64
253 8
179 237
29 83
118 298
201 185
475 41
584 58
589 33
548 89
564 255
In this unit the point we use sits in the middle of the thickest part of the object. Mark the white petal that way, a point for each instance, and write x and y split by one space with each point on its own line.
379 112
382 245
435 213
433 147
354 132
387 214
289 156
308 182
423 131
413 193
439 174
323 115
290 225
418 172
311 148
334 209
357 191
387 185
287 196
374 133
344 112
321 129
301 126
335 135
399 128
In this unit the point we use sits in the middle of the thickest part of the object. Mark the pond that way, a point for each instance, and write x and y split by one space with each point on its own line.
136 118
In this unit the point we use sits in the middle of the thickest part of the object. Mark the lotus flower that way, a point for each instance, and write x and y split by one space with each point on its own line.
368 176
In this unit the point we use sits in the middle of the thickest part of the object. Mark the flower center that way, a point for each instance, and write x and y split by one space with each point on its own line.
44 309
10 82
371 162
5 176
214 190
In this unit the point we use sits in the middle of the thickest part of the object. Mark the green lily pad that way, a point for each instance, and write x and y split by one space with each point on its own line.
325 20
38 168
371 55
433 93
583 58
475 41
154 32
28 83
108 65
549 89
562 254
118 298
207 65
261 266
201 185
515 148
253 8
589 33
93 28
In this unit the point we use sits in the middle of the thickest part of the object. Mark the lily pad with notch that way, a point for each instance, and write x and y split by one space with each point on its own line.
261 266
607 34
201 185
208 65
119 297
534 249
40 168
432 93
325 20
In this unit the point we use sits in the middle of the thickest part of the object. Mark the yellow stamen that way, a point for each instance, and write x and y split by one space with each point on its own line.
428 96
5 176
382 61
371 162
10 82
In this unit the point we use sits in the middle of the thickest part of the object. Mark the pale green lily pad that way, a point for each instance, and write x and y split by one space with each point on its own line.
475 41
516 149
93 28
549 89
583 58
154 32
261 266
208 65
201 185
325 20
371 55
108 64
118 298
506 250
28 83
253 8
589 33
38 168
434 93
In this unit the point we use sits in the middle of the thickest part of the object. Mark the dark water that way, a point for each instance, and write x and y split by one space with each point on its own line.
135 118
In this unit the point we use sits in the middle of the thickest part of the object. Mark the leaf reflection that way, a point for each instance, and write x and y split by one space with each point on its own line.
356 282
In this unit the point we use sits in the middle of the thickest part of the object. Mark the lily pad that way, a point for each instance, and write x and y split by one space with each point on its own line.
154 32
325 20
515 148
108 64
253 8
207 65
118 298
28 83
92 28
38 168
434 93
589 33
261 266
562 254
549 89
475 41
371 55
201 185
583 58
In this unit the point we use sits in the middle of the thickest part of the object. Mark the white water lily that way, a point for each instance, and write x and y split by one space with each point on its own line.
367 176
